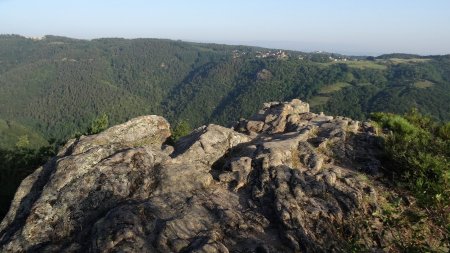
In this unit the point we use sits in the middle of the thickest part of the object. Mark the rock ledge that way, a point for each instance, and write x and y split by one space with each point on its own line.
285 180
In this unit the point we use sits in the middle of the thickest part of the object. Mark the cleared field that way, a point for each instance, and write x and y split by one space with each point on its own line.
333 87
359 64
318 100
423 84
400 60
366 65
363 84
325 92
412 60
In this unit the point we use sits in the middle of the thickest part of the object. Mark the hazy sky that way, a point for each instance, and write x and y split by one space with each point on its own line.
345 26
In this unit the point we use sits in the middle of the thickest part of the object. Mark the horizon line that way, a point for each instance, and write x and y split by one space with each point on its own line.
226 43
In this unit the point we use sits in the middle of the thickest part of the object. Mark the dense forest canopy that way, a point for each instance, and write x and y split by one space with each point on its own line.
53 87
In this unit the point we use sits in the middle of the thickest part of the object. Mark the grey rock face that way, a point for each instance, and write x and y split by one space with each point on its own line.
287 180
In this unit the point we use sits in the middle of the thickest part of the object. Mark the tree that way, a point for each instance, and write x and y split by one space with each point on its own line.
23 142
182 128
99 124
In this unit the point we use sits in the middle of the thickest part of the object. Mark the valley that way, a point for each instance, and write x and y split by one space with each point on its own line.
63 84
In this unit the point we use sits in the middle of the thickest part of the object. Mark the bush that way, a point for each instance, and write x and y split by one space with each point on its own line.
419 153
182 128
394 123
418 149
99 124
444 131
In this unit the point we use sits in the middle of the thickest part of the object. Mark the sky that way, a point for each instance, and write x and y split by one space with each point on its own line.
364 27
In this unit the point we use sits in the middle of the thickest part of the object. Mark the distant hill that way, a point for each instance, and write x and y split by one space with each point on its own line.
55 86
399 55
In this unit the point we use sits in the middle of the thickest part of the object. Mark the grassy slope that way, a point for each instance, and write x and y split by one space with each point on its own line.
360 64
11 131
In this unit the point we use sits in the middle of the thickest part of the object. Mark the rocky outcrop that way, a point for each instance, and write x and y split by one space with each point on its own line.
286 180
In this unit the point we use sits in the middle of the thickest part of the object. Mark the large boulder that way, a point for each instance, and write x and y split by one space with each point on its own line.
89 176
284 181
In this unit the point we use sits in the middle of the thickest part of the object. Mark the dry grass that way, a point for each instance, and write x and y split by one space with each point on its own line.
363 84
412 60
378 65
333 88
318 100
423 84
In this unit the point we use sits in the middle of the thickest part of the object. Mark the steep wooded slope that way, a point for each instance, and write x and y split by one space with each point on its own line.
56 86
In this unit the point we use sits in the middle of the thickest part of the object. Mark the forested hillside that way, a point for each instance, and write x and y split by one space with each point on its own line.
54 87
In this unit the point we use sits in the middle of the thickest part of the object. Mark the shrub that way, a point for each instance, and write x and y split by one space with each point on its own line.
444 131
99 124
418 149
182 128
